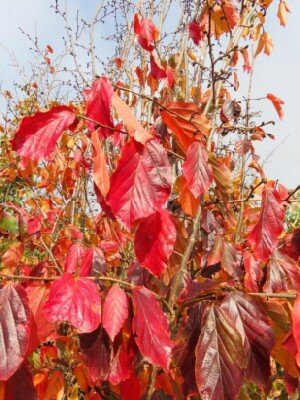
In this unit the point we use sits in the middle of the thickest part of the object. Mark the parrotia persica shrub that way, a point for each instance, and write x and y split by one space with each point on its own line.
144 253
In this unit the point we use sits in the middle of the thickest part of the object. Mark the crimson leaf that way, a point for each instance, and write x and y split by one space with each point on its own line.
151 328
269 226
37 135
154 241
98 103
76 300
141 182
115 311
196 169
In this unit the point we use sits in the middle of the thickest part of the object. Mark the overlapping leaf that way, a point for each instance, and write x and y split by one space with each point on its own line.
283 273
151 328
145 31
20 385
296 326
40 328
98 103
184 350
263 237
122 363
14 329
196 169
157 71
222 176
251 321
76 300
229 257
220 357
141 183
96 353
154 241
253 271
74 258
37 135
186 121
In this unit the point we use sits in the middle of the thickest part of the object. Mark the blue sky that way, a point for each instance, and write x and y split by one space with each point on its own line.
277 74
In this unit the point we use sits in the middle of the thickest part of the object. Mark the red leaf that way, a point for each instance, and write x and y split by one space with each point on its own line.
115 311
34 224
98 103
40 327
195 32
14 329
20 385
253 271
263 237
196 169
251 321
283 273
74 256
292 244
229 257
145 31
122 363
220 357
93 260
96 351
76 300
157 71
150 325
247 66
296 325
131 389
154 241
184 351
37 135
141 182
276 103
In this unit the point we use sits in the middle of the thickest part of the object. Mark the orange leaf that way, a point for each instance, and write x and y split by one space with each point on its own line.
100 173
185 121
283 9
277 104
222 176
265 44
13 255
135 129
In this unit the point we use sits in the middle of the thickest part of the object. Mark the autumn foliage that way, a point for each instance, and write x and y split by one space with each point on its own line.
182 281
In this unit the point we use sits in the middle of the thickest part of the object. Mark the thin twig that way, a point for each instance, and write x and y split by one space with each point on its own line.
151 383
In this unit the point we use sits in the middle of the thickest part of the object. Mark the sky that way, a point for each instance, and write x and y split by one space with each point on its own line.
277 74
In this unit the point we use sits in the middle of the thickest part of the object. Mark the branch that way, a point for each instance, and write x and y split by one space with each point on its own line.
292 193
275 295
196 224
151 383
93 278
